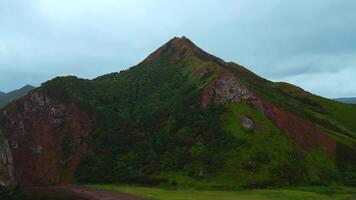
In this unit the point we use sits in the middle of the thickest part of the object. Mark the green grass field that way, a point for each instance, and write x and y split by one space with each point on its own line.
313 193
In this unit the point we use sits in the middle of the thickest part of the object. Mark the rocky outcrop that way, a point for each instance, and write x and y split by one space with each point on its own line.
7 174
224 89
247 123
46 138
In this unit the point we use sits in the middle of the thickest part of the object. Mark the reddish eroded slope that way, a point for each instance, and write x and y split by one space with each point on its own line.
227 88
302 132
176 49
47 139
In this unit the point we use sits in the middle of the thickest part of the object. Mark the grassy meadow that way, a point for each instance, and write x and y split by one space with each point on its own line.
307 193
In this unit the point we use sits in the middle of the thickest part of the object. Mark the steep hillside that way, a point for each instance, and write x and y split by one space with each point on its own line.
6 98
180 117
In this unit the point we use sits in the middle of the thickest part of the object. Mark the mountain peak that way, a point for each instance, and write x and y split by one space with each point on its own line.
176 50
181 42
27 87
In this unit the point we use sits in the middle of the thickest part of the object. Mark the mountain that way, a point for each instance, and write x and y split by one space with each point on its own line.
180 117
350 100
6 98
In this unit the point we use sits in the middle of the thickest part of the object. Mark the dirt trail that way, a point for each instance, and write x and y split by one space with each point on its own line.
80 193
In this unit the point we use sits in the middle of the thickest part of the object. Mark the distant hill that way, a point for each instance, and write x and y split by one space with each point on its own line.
6 98
350 100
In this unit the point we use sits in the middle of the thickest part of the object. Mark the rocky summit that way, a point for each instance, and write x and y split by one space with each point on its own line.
180 117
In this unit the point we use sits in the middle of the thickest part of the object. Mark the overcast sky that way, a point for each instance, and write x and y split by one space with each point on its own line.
310 43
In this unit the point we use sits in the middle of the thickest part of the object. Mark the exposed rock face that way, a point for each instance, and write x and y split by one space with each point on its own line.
227 88
46 138
7 174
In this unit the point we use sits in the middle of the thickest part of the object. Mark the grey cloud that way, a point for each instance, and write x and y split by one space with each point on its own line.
295 41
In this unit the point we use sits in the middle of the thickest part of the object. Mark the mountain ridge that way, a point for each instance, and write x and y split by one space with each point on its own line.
348 100
6 98
180 117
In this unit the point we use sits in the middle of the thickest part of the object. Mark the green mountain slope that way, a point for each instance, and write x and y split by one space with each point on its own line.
183 116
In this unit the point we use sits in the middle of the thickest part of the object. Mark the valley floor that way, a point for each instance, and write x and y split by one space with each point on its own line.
124 192
309 193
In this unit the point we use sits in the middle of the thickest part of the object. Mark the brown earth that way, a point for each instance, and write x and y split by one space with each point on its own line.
303 132
78 193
